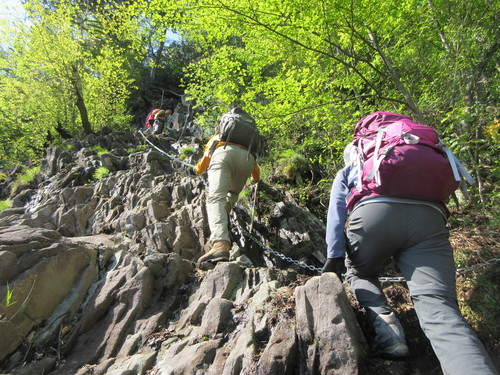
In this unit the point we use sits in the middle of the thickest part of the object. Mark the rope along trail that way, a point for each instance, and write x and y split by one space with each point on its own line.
395 279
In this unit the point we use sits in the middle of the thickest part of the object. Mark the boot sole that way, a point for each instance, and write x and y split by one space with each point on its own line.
216 258
219 259
398 351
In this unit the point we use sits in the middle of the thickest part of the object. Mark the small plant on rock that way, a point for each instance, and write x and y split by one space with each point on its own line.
136 149
100 173
292 165
9 302
5 204
186 152
99 149
24 179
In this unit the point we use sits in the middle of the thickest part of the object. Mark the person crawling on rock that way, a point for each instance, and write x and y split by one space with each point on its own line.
156 120
413 232
229 159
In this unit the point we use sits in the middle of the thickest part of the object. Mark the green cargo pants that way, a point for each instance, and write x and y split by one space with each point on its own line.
229 169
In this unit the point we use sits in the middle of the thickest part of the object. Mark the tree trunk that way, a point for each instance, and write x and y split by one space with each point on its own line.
396 80
80 103
152 73
438 27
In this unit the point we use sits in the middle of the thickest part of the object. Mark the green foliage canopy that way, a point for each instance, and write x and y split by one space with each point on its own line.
65 68
308 70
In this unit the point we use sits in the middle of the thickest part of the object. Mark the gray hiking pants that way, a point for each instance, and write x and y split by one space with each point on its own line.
229 169
415 236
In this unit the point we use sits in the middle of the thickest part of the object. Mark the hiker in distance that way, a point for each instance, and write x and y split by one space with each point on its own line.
411 229
229 159
157 119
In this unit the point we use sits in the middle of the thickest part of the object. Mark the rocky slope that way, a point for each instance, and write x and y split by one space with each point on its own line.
100 276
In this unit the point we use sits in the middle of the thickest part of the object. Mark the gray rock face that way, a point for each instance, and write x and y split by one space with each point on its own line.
100 277
48 276
328 333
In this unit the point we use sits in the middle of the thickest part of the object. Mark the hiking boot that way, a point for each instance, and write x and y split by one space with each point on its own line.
390 340
219 252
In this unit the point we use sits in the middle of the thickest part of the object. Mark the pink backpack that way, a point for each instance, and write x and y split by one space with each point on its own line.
397 157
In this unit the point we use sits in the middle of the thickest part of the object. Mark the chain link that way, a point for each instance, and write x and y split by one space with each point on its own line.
388 279
279 255
164 153
393 279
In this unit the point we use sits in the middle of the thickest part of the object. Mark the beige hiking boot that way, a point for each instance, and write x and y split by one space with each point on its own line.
219 252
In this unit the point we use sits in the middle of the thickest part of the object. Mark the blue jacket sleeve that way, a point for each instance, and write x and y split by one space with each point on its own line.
337 212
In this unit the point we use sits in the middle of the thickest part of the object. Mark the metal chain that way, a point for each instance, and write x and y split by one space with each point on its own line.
279 255
393 279
389 279
164 153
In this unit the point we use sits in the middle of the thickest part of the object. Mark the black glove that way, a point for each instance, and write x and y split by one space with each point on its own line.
335 265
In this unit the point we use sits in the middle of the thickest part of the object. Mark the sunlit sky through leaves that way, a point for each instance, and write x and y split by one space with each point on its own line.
11 9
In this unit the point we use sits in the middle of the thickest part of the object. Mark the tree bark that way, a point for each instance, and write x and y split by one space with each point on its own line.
396 80
438 27
80 102
152 73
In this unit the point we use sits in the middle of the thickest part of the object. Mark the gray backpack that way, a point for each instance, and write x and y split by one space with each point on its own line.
239 128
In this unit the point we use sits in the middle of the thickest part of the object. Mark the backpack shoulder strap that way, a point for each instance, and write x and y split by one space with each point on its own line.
230 119
358 164
213 145
377 159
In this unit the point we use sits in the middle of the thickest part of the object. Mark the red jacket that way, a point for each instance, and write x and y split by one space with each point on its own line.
155 114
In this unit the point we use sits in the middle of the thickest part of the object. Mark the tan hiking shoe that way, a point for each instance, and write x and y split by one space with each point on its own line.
219 252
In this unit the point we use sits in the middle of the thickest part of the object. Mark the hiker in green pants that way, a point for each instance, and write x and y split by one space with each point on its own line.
229 164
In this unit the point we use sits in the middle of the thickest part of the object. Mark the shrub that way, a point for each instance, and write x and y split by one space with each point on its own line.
26 177
5 204
99 149
186 152
100 173
292 164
